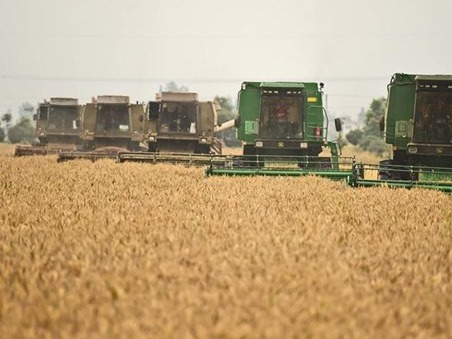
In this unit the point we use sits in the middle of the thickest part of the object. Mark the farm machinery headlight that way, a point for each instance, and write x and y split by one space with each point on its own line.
412 149
303 145
259 144
151 138
204 140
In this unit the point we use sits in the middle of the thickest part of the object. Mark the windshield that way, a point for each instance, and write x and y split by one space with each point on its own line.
62 118
433 115
112 118
177 117
281 114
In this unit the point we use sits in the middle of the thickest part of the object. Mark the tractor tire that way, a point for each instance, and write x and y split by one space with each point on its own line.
384 172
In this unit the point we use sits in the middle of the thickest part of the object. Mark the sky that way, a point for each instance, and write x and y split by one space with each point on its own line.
85 48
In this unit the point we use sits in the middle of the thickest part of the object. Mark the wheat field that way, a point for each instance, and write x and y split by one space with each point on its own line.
107 250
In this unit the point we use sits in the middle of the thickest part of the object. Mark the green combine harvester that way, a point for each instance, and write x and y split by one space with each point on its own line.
418 126
283 127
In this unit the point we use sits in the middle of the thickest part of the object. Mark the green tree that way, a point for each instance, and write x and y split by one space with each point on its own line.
373 115
174 87
369 137
2 134
23 131
371 140
354 136
26 110
227 109
6 118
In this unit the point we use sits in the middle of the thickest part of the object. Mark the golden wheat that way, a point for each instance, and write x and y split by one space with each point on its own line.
115 250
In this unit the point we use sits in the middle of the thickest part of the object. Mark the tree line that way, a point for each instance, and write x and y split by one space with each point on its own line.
368 137
22 131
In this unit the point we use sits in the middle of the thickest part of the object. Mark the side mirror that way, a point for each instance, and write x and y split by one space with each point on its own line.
35 117
77 123
153 110
338 124
237 122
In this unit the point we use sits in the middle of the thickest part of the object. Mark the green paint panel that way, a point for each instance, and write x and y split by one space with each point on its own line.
249 109
251 127
401 98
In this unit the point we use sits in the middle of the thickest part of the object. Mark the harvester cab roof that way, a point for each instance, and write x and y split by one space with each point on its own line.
63 101
113 99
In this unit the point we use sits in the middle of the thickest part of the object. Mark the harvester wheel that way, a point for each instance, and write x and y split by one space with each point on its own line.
389 171
324 163
134 146
152 147
237 161
250 157
203 149
384 172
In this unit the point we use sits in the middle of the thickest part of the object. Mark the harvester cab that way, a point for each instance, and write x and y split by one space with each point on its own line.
112 121
178 122
281 118
57 127
109 124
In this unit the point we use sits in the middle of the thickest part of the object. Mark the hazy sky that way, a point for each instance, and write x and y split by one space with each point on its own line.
85 48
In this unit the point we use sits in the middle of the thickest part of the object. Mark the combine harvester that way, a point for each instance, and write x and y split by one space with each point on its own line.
283 127
109 124
418 126
57 128
181 130
287 141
